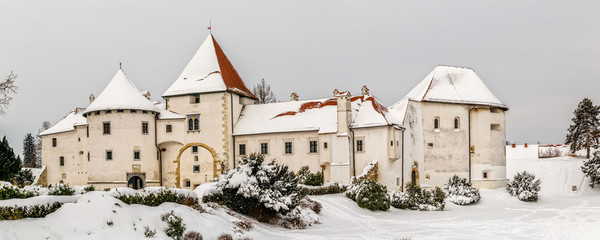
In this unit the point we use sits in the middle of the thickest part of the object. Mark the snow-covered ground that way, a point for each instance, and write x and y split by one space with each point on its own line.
560 214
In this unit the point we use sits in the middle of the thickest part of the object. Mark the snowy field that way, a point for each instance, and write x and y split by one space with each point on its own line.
560 214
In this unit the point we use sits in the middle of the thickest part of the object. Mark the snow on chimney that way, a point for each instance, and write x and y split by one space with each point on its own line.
364 90
344 111
92 98
294 97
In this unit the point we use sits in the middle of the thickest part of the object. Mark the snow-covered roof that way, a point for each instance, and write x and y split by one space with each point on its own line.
166 114
310 115
398 111
209 70
120 93
68 123
454 85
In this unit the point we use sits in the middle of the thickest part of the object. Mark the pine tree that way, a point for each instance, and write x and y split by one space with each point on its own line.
583 133
263 92
38 144
29 151
9 163
591 169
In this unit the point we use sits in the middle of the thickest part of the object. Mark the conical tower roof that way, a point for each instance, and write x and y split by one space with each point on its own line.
120 93
454 85
209 71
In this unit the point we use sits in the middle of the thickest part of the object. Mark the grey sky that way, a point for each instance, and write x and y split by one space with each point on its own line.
539 57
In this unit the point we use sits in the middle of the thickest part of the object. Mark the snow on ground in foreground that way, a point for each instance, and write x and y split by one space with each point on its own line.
560 214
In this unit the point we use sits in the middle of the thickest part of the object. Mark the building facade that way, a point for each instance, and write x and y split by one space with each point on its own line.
450 123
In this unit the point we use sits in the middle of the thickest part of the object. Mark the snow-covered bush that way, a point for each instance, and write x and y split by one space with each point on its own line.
225 236
23 177
149 232
311 179
8 192
34 211
156 196
261 191
524 186
591 168
192 235
327 188
36 190
61 189
415 198
304 215
460 192
370 195
175 227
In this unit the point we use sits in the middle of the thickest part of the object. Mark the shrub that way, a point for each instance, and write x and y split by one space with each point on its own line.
35 211
89 188
8 192
244 224
461 192
524 186
370 195
311 179
225 236
61 190
591 168
329 188
154 199
260 191
311 204
416 198
192 235
176 226
148 232
23 177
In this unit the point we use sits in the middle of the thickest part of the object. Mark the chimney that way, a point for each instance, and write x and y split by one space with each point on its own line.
146 94
344 111
92 98
364 90
294 97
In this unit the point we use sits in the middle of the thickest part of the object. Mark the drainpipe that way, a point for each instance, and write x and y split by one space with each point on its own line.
353 152
470 142
160 180
232 137
402 186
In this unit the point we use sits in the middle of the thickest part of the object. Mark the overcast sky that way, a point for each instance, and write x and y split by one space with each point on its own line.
539 57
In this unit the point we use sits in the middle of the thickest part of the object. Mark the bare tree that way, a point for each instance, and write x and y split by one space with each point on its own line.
7 87
38 144
263 92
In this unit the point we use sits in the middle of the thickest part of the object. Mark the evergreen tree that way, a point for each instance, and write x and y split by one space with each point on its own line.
583 133
9 163
263 92
591 169
29 154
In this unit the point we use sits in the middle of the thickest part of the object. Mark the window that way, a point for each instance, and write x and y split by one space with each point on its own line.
188 183
391 143
288 147
195 98
144 127
195 158
120 111
97 113
136 155
107 111
88 155
194 149
325 145
359 145
436 124
264 148
430 144
495 127
145 112
106 127
109 155
62 161
313 147
196 168
242 149
456 124
485 175
53 142
193 122
133 111
87 130
169 128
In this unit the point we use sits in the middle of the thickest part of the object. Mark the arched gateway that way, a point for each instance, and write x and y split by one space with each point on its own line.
212 152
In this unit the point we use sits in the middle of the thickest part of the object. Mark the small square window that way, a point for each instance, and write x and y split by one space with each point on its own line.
144 127
169 128
62 161
109 155
195 98
120 111
196 168
133 111
288 147
325 145
359 146
106 128
53 142
242 149
264 148
194 149
136 155
188 183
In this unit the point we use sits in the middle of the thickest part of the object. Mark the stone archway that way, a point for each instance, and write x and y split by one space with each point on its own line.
189 145
136 180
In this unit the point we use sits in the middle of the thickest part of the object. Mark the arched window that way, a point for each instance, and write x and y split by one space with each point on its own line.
456 124
196 124
190 124
436 124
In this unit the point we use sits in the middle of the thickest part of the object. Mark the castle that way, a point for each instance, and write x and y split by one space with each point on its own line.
450 123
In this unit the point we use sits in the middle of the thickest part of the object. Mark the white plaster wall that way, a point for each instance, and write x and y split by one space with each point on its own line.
413 141
72 146
522 152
